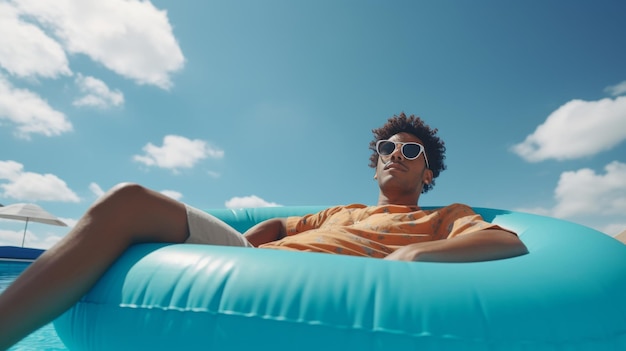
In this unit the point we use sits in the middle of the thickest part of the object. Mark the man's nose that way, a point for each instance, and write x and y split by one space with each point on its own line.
397 153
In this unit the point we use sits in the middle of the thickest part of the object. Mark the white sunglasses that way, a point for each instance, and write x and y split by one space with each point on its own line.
410 150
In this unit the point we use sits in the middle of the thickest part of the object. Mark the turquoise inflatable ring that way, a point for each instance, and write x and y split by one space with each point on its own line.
566 294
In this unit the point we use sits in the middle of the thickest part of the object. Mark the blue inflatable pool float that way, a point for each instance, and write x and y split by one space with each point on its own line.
566 294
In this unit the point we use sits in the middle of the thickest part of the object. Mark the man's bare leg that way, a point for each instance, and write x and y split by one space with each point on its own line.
63 274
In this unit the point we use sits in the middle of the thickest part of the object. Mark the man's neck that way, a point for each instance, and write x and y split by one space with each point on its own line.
397 200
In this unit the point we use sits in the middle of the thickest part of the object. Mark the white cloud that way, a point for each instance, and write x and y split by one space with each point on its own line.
213 174
10 169
173 194
177 152
248 202
43 240
29 186
592 199
26 50
30 113
38 235
46 242
97 93
577 129
614 228
96 189
39 187
71 222
129 37
11 237
617 89
584 192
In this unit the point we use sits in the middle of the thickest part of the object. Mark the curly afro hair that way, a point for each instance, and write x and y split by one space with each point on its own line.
434 147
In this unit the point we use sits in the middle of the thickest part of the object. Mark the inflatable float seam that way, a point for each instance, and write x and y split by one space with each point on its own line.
302 321
490 340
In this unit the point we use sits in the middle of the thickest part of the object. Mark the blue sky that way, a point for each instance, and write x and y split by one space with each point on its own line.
256 103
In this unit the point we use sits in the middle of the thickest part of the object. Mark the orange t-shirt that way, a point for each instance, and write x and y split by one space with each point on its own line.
376 231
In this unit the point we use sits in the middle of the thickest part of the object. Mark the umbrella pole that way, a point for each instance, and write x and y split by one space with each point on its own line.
24 236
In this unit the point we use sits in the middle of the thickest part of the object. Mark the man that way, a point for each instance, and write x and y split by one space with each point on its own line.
407 156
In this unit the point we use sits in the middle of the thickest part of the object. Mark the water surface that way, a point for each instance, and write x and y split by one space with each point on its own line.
44 339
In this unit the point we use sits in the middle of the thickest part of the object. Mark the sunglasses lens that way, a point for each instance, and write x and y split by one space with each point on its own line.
386 148
411 151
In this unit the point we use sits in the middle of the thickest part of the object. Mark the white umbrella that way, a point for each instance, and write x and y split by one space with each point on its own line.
29 213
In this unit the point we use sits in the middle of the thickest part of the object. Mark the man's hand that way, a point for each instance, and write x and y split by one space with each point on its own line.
266 231
484 245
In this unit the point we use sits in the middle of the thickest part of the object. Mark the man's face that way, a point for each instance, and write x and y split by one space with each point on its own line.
395 173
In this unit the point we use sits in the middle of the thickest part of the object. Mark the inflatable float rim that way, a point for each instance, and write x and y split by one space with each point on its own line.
564 295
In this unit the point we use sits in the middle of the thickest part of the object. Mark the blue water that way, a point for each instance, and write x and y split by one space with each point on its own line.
44 339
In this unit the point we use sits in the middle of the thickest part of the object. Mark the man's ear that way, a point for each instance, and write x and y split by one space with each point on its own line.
428 176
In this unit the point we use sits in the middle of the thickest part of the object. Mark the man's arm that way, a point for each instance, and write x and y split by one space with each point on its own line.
482 245
267 231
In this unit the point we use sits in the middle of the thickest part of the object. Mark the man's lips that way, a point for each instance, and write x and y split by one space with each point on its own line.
395 165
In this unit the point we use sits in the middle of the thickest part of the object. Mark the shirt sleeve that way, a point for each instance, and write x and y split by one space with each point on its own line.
463 220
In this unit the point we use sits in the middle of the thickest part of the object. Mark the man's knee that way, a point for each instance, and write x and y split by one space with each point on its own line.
122 195
127 190
125 187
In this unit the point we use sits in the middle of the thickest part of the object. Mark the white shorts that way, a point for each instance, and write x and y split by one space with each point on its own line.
207 229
